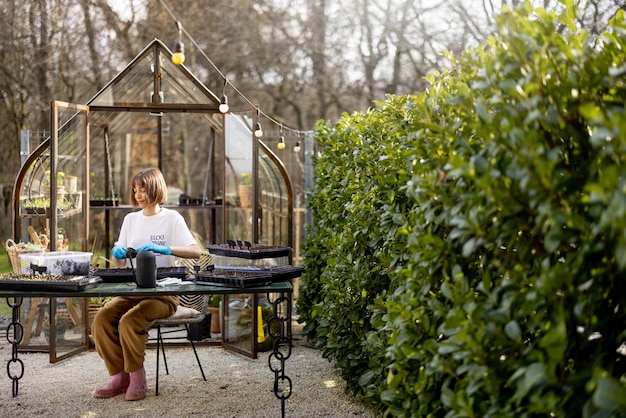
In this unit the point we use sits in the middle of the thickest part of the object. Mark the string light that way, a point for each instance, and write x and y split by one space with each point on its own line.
224 104
258 131
181 30
281 142
178 57
296 147
223 107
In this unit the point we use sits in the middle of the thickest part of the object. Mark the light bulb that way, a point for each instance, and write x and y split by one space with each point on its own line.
281 144
178 57
223 107
258 132
296 147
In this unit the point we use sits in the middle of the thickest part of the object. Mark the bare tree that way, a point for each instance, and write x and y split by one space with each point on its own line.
44 44
300 60
41 46
14 109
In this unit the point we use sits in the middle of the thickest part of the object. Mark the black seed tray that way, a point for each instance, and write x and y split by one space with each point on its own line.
124 275
282 273
47 283
278 273
248 251
177 272
233 278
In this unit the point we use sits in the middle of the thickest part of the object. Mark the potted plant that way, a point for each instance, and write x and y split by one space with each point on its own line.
245 191
214 308
60 185
62 242
71 183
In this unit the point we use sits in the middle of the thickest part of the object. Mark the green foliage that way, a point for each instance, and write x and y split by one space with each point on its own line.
5 263
40 202
342 305
215 300
468 246
246 179
99 301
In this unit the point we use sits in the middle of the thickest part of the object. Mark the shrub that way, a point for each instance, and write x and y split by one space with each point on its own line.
468 242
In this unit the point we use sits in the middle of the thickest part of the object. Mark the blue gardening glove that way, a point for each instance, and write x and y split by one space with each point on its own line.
119 252
160 249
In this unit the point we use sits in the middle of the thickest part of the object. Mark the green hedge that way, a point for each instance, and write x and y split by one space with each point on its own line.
468 250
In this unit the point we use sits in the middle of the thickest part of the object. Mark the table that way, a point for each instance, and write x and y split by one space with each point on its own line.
282 341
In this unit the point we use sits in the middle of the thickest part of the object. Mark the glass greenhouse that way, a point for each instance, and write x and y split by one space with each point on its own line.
75 186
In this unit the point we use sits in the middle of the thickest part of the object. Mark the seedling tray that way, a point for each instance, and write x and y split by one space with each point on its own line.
124 275
233 278
46 282
247 250
277 273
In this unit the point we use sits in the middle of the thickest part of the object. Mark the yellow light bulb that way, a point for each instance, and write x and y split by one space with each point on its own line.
178 58
281 145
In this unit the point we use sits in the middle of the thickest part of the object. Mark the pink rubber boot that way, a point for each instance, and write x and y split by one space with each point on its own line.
138 386
116 385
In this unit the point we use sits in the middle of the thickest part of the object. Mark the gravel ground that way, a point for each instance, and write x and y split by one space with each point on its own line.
236 386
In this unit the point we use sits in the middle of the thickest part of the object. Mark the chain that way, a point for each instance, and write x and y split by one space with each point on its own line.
282 348
14 335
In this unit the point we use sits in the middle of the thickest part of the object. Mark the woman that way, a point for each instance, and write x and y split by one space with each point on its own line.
119 328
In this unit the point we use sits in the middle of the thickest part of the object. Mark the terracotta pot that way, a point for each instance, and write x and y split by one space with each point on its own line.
245 196
60 193
92 310
215 319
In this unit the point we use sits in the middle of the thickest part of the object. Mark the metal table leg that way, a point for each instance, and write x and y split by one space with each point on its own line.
14 335
282 347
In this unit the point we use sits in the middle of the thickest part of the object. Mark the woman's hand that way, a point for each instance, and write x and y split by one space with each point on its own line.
119 252
160 249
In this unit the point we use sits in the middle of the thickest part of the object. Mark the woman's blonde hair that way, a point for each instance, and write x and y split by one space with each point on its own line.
150 179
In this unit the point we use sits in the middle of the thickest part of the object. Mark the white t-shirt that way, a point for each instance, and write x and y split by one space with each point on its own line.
168 227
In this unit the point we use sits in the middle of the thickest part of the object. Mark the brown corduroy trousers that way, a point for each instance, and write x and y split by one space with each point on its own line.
120 329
